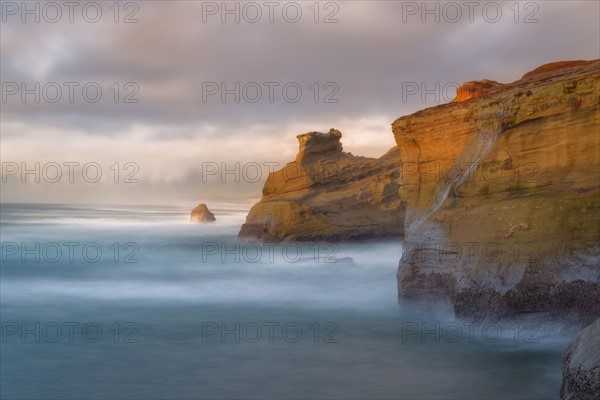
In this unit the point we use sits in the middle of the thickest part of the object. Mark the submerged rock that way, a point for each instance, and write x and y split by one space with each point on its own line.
202 214
581 366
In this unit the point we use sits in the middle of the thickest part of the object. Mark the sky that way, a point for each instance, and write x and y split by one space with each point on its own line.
181 102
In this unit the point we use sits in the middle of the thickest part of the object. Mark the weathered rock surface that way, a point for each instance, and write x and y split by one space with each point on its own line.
581 366
502 197
475 89
327 194
202 214
563 66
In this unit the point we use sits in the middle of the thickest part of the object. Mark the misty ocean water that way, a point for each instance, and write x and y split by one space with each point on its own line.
166 326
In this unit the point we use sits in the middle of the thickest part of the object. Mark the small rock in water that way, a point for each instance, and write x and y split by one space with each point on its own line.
202 214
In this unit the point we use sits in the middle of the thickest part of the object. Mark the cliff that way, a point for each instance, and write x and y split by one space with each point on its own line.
501 189
327 194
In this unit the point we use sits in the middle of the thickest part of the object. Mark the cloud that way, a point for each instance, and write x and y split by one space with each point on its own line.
163 61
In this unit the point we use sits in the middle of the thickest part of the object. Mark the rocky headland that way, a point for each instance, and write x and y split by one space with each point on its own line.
502 197
326 194
497 195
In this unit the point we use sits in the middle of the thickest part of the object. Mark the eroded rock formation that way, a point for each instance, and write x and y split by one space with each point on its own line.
329 195
475 89
502 197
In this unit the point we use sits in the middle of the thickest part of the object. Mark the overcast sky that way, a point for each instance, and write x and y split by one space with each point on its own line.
177 55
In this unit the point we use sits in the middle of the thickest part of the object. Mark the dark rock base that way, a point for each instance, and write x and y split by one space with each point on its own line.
580 384
576 301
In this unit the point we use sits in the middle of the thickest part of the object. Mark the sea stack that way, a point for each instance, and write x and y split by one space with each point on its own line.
201 214
326 194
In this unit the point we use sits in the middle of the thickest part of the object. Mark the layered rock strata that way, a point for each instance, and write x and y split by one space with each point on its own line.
327 194
501 190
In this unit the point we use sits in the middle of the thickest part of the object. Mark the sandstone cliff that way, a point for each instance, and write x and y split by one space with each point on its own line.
329 195
501 189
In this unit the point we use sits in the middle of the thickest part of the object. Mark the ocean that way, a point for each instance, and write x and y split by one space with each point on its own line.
134 302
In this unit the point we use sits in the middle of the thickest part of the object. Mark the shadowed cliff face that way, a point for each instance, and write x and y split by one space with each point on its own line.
502 196
329 195
581 365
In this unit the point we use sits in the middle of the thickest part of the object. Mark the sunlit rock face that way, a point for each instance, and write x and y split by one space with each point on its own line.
502 197
327 194
557 68
201 214
581 365
475 89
